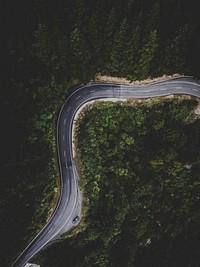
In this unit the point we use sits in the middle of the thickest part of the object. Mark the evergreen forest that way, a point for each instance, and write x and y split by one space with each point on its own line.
46 48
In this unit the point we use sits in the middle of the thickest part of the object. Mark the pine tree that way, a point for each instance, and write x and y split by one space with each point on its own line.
43 45
152 19
146 56
175 52
119 58
80 55
111 25
132 52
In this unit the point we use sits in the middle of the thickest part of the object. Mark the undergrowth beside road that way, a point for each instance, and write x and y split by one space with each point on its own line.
139 174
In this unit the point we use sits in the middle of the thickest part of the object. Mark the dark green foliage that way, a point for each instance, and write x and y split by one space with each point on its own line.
124 38
47 46
119 56
141 186
146 53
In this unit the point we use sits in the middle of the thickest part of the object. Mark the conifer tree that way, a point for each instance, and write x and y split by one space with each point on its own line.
119 50
79 55
132 52
175 52
111 24
146 56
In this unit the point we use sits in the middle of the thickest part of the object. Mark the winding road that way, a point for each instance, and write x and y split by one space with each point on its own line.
69 205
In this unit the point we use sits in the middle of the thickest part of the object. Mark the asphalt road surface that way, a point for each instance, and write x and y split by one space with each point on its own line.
69 205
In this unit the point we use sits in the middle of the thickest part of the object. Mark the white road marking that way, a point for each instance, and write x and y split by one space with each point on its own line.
195 90
64 121
146 91
163 89
63 137
92 91
78 97
69 109
179 87
64 153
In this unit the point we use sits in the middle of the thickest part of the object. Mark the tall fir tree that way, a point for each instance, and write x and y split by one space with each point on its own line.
118 55
80 56
146 53
175 52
